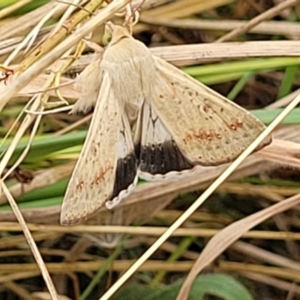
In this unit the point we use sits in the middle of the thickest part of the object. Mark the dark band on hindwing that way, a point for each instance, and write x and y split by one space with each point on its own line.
162 158
125 174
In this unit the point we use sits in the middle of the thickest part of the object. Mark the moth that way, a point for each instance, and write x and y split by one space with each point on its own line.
177 123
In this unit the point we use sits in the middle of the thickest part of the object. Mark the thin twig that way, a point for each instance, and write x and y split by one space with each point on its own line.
272 12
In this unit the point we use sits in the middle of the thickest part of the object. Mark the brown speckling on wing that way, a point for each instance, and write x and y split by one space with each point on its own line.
208 128
93 179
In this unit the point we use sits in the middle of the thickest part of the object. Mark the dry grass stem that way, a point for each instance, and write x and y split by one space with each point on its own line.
31 242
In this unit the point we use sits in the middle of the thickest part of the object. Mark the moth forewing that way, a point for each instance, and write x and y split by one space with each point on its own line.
208 128
93 180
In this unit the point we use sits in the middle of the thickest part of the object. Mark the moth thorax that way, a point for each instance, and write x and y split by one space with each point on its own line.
133 82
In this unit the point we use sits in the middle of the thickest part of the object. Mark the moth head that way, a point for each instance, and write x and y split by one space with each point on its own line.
115 33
